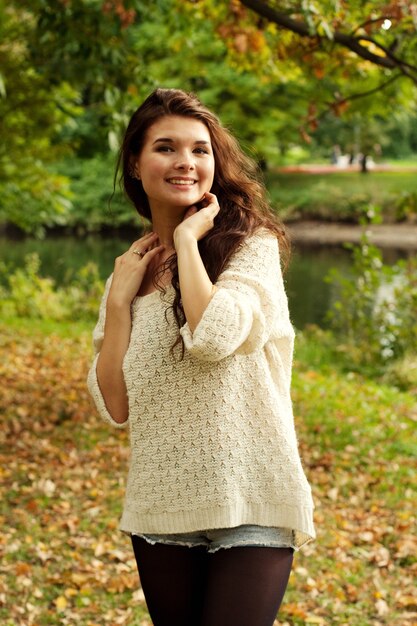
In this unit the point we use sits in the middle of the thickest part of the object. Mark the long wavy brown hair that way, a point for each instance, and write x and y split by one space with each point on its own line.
237 185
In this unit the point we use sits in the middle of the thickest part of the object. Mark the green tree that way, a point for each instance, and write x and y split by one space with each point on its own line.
61 63
90 63
31 112
74 70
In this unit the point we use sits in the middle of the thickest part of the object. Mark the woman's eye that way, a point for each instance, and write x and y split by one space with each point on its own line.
164 149
201 151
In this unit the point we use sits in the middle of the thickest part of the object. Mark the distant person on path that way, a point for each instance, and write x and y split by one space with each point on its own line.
335 155
194 352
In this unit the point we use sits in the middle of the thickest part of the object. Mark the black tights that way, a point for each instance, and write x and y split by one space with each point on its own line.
241 586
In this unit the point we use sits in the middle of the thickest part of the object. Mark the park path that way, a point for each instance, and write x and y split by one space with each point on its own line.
400 236
323 168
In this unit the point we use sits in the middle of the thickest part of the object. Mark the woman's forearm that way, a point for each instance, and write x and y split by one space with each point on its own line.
109 364
195 284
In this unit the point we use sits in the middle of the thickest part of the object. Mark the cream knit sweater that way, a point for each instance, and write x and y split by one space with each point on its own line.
212 436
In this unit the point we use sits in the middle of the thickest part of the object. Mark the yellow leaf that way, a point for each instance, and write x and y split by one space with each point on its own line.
79 579
61 603
313 619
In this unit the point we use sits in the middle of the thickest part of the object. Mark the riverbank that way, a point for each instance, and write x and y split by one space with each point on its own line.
313 232
309 232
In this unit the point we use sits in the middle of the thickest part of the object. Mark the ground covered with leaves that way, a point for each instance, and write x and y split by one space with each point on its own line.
64 561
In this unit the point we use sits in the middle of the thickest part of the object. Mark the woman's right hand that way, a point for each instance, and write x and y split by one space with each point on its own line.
130 269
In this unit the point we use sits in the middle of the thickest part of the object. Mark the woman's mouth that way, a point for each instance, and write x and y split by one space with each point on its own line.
181 181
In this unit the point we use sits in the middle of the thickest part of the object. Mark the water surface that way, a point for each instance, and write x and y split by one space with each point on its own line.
308 293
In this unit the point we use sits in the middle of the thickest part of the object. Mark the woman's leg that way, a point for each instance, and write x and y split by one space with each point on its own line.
245 585
173 579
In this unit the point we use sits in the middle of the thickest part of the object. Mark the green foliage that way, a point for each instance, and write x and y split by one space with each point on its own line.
32 111
94 202
86 45
84 68
403 372
386 135
374 314
29 295
26 294
81 298
406 207
72 73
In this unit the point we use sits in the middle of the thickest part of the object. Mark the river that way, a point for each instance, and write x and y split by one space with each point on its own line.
309 295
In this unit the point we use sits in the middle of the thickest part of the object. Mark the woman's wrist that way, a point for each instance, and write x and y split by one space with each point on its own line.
183 237
118 305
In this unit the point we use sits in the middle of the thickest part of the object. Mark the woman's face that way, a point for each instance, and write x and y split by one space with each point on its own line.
176 164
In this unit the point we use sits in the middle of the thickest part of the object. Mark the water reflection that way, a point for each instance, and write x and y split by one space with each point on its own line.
309 295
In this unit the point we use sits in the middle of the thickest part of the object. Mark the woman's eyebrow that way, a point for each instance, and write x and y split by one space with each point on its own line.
164 140
169 140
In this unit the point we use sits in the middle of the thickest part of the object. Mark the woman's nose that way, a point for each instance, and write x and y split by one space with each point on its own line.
185 161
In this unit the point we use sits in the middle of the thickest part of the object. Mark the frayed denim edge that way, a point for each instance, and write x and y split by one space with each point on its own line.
250 544
189 544
167 542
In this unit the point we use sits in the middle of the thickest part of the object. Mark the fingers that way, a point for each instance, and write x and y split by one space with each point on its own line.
133 257
211 197
147 255
145 241
153 252
212 202
209 204
141 246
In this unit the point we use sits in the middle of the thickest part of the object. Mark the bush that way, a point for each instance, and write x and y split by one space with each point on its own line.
403 373
82 296
374 315
406 207
27 294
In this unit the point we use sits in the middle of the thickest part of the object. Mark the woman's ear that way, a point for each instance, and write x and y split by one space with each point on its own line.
133 169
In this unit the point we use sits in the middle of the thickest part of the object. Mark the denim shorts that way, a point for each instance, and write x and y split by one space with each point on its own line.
213 540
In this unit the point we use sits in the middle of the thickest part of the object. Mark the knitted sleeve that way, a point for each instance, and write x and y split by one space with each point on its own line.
249 304
92 382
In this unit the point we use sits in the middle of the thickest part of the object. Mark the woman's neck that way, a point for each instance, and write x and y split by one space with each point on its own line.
164 223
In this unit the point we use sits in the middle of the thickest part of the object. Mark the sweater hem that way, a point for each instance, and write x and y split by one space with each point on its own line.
298 519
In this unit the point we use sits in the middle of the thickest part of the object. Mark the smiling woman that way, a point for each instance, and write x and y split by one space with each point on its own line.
194 351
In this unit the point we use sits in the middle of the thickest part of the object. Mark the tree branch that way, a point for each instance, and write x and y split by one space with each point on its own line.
370 92
346 40
315 119
278 17
355 96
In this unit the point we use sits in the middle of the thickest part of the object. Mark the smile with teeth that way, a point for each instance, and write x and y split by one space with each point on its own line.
181 181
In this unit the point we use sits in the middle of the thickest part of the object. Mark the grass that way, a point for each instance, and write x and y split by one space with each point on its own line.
63 470
342 196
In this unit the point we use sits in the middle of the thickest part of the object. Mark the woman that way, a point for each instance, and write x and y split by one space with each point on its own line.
194 349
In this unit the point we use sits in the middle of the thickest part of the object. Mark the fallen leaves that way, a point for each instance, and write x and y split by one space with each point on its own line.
62 475
358 444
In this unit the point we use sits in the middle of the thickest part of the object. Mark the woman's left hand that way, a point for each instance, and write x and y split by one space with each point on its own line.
197 223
